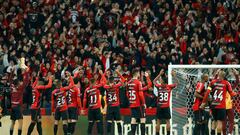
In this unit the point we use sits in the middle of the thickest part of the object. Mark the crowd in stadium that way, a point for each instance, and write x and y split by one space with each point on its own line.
84 37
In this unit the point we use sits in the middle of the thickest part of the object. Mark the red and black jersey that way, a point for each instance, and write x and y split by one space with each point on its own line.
112 93
59 100
218 89
73 97
36 93
197 101
17 91
135 93
164 94
92 96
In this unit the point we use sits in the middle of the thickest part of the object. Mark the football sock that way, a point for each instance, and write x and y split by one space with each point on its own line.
197 129
142 126
65 129
70 127
73 127
119 126
100 127
109 127
11 132
133 128
55 129
90 126
30 128
39 128
168 132
212 132
19 131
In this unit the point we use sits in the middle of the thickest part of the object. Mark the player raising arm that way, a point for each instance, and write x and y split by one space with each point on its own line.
93 97
17 89
113 103
59 105
163 100
137 101
218 87
74 104
37 88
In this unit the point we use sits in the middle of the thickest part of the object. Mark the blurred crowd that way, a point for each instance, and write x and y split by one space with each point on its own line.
85 36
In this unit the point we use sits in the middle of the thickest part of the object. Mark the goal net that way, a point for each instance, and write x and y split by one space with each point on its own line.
183 96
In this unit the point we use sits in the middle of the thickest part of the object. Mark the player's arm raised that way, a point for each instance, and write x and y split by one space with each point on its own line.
84 103
141 95
149 83
71 83
52 105
43 87
79 99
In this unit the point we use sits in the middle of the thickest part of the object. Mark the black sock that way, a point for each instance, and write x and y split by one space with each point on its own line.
69 127
218 133
65 129
109 127
19 131
133 128
157 133
39 128
168 132
55 129
212 132
196 129
30 128
90 126
11 131
73 127
119 127
142 126
100 128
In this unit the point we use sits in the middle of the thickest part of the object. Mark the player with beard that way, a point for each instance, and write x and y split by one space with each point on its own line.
137 101
201 122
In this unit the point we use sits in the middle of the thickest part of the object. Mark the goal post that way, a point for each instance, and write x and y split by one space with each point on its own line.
182 97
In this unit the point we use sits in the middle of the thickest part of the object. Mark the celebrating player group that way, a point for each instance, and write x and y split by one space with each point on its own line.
67 101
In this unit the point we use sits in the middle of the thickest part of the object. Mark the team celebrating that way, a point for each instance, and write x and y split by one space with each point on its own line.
67 102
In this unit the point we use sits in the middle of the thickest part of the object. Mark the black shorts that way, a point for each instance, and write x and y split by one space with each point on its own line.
94 115
113 113
72 113
163 113
201 115
61 114
16 113
138 112
219 114
35 114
